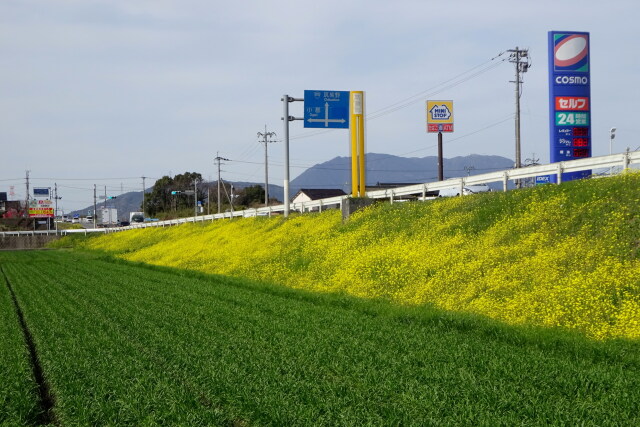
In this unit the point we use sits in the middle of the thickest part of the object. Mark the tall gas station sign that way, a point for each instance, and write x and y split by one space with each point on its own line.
569 99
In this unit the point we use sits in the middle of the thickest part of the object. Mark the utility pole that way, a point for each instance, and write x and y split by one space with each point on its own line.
55 210
95 205
56 198
26 200
266 140
195 197
531 161
519 57
218 160
143 188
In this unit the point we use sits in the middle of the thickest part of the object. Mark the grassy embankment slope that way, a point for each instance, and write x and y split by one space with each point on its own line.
556 256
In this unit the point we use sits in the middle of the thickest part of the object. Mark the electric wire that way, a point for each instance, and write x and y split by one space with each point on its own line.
420 96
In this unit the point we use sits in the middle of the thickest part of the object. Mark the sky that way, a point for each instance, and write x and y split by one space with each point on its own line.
104 92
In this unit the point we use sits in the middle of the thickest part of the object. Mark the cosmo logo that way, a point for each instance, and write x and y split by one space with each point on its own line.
571 52
572 80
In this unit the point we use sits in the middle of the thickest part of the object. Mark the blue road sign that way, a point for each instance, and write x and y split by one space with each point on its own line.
326 109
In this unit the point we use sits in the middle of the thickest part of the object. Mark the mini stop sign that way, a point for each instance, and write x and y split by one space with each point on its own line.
439 116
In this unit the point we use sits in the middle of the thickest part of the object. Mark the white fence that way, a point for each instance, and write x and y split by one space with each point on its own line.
622 161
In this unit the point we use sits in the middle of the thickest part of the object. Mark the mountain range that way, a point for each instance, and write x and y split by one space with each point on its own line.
336 173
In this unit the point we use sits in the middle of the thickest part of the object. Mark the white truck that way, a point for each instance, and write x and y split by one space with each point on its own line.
136 217
108 217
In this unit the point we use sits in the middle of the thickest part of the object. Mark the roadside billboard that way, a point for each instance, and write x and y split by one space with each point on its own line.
569 99
41 209
39 192
439 116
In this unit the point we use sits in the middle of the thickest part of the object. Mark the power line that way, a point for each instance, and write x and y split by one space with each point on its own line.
87 179
418 97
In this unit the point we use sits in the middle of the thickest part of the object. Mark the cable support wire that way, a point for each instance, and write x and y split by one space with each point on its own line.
509 117
249 151
227 193
88 179
430 93
420 96
371 170
426 91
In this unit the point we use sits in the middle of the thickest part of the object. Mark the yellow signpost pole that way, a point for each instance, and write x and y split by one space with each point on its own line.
353 133
356 126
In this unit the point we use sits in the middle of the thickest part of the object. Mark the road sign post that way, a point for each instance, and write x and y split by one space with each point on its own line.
322 109
286 99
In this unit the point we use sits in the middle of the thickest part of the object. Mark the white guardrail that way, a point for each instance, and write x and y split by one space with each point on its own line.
622 160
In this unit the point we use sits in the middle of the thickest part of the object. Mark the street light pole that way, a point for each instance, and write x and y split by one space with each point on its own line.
612 135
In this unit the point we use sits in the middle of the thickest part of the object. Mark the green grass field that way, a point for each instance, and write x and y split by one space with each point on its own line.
18 390
127 344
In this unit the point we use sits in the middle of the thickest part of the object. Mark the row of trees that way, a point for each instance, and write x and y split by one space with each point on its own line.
172 195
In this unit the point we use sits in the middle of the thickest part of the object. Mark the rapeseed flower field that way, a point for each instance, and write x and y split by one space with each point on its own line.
565 256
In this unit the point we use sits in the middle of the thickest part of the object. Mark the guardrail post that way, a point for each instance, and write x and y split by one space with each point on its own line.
559 173
505 181
462 186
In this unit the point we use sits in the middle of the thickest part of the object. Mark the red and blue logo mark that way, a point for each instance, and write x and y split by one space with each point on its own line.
571 52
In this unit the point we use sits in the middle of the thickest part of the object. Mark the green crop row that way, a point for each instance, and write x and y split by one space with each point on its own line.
18 389
129 344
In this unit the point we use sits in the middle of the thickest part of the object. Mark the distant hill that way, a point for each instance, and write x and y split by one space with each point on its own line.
336 173
124 203
132 201
385 168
